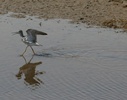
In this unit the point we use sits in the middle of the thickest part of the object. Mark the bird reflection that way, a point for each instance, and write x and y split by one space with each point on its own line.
30 73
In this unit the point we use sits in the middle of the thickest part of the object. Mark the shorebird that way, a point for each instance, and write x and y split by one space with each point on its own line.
30 39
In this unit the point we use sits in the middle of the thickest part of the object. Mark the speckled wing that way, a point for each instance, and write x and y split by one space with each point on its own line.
31 35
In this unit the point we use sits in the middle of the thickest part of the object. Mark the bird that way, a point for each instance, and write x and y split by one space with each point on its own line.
30 39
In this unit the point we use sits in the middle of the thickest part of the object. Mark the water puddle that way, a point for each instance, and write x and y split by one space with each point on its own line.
74 63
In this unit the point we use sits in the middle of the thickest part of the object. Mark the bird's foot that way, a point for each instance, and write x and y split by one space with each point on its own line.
36 54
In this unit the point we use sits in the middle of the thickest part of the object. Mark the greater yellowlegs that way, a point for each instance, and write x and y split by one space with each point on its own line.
30 39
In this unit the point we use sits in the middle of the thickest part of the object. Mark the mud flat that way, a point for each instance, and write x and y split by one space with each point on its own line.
105 13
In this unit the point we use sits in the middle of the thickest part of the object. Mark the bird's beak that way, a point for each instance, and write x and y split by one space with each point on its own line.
14 33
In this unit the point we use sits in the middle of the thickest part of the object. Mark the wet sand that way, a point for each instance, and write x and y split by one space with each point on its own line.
75 63
105 13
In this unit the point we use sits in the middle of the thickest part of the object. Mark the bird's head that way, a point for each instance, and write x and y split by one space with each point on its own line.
20 32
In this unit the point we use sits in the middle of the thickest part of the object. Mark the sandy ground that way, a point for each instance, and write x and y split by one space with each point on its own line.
109 13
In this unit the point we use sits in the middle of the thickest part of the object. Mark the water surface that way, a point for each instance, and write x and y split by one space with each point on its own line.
74 63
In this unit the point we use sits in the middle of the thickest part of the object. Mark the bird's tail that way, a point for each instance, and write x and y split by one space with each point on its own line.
37 44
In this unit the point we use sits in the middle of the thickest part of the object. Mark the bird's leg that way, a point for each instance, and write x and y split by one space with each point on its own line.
30 59
24 59
24 51
32 50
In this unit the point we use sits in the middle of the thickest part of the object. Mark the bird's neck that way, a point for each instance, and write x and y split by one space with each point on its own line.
21 34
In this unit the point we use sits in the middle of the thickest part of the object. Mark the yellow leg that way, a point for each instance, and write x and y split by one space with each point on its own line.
24 51
32 50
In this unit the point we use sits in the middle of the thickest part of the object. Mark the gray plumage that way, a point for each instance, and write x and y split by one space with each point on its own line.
31 38
31 35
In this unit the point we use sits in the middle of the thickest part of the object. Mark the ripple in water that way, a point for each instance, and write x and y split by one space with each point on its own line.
62 52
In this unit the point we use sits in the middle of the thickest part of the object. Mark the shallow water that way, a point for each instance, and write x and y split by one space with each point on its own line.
74 63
